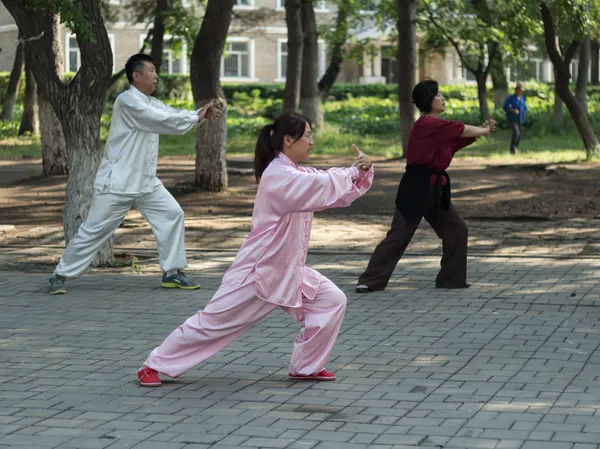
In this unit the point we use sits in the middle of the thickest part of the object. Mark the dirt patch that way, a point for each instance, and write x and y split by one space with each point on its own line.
482 190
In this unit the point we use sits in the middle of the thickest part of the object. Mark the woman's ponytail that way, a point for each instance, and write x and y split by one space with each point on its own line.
264 152
270 139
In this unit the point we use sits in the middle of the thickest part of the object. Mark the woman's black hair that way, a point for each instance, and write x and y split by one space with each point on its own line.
424 93
270 139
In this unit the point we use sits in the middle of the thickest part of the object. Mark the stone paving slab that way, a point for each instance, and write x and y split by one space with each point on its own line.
512 362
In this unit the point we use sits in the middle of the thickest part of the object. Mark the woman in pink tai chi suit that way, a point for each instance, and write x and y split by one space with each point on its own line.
269 270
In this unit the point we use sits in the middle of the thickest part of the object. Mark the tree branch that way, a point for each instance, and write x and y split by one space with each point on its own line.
570 52
452 41
492 54
41 54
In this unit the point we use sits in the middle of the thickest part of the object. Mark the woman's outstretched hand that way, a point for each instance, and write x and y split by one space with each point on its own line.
363 161
490 123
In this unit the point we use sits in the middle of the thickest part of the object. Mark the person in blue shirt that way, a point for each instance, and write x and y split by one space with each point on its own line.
516 111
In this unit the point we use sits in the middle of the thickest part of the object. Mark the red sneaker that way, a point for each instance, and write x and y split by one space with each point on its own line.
148 377
322 375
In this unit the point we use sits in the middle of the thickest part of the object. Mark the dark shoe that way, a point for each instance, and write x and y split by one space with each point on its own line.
178 280
361 288
467 285
57 285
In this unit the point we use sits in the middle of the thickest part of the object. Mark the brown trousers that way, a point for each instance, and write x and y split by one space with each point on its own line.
450 227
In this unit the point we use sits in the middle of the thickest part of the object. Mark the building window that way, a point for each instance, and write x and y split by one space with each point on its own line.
319 5
244 4
238 60
73 54
173 61
282 59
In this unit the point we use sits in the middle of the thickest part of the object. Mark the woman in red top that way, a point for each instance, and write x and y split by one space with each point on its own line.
424 191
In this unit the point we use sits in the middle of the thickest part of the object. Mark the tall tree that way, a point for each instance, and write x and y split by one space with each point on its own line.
478 30
465 26
310 100
52 139
175 17
78 104
293 71
558 113
407 61
10 99
211 143
577 11
158 33
29 120
595 66
337 38
585 49
499 81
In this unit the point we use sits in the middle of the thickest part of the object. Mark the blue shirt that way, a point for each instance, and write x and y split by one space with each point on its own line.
514 102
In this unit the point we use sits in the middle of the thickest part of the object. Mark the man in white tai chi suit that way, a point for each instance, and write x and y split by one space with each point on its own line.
127 178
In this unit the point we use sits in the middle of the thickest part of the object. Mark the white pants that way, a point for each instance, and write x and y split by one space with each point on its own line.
233 311
107 212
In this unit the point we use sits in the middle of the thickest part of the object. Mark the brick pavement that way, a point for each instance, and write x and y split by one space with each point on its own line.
512 362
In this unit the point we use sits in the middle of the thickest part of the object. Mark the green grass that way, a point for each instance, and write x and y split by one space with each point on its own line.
550 148
20 148
330 141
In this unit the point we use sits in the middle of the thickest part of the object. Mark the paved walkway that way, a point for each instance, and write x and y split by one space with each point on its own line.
512 362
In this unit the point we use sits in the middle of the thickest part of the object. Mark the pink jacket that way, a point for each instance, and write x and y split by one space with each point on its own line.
274 253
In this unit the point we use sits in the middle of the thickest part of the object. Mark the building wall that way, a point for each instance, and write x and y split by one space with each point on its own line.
8 44
264 43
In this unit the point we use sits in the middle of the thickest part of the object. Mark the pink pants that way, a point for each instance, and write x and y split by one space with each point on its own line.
232 311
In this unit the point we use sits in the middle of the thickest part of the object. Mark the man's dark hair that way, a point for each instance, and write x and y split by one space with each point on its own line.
136 64
423 95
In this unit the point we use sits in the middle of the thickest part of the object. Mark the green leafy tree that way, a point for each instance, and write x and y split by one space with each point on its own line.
211 141
172 17
566 24
78 104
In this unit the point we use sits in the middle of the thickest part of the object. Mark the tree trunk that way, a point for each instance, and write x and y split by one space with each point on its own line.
158 33
82 133
8 108
407 59
310 100
54 151
29 120
482 96
499 80
338 50
293 73
211 143
78 105
582 74
594 63
558 116
561 71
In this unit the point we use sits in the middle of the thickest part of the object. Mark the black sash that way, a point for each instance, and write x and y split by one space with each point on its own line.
414 192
